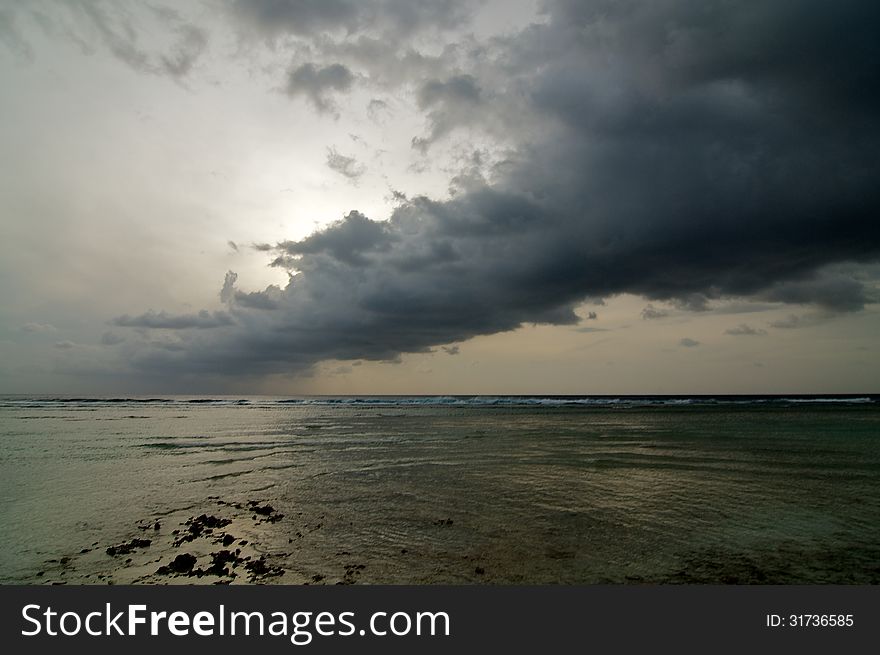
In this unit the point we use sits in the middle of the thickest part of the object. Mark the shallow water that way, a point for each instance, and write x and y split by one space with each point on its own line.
446 490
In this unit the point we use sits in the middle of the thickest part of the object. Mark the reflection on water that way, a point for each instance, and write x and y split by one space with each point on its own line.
415 491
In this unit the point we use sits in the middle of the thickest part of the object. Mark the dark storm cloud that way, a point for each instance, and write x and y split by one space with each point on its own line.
834 293
162 320
349 241
234 298
684 151
693 302
449 103
699 155
265 300
688 343
319 84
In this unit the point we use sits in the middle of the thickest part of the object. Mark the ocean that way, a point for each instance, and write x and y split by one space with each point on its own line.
440 490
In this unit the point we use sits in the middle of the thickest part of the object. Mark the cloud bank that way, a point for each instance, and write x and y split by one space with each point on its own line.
681 151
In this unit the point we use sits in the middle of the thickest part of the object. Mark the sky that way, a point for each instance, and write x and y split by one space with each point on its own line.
439 197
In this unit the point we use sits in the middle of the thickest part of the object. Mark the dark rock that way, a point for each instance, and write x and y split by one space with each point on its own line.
200 525
211 522
265 510
126 548
479 570
228 540
183 563
219 560
259 568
